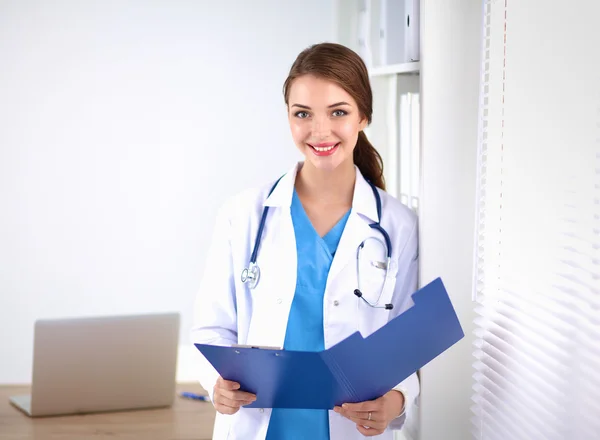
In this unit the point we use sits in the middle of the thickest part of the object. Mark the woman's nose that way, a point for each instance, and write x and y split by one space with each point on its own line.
321 127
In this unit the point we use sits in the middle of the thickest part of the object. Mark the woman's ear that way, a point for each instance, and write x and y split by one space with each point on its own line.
362 124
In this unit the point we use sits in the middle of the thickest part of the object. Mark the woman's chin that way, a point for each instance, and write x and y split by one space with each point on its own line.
327 164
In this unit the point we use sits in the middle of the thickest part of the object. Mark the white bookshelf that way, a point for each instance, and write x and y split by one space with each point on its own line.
395 69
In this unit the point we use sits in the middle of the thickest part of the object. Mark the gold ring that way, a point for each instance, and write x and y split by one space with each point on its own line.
369 416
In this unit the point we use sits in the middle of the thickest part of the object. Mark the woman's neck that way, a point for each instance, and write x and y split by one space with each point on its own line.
326 187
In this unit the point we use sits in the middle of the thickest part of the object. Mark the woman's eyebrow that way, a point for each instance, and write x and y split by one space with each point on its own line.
330 106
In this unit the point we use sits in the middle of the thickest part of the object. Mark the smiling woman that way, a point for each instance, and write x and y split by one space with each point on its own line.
302 298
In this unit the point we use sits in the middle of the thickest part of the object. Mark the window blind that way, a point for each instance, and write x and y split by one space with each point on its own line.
536 368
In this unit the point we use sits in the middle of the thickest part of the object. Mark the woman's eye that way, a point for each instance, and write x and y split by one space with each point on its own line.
301 115
339 113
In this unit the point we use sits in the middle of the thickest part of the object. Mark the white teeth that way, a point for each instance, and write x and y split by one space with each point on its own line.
323 149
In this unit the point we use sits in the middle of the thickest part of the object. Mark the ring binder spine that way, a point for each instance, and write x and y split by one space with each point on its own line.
338 373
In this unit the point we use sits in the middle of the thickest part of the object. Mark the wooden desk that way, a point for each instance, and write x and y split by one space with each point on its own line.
185 420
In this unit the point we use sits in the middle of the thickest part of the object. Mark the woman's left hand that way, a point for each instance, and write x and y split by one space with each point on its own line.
373 416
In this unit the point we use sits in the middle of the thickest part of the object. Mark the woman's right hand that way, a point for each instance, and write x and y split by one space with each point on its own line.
227 399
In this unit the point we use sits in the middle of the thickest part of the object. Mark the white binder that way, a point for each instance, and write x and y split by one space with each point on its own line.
399 31
392 32
413 29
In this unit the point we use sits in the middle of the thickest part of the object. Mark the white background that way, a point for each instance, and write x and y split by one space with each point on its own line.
124 124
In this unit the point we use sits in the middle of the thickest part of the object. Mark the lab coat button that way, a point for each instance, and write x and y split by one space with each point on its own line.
278 300
262 410
336 303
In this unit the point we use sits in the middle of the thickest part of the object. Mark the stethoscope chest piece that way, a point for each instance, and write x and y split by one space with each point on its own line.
250 275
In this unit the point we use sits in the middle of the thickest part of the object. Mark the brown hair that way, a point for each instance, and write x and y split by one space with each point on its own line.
346 68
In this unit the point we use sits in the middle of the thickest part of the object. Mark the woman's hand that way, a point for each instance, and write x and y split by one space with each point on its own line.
373 416
227 399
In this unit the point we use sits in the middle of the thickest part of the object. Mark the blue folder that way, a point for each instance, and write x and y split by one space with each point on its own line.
354 370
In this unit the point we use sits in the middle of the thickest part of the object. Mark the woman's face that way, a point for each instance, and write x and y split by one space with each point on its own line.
325 122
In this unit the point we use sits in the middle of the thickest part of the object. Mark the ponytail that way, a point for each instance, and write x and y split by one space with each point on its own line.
368 161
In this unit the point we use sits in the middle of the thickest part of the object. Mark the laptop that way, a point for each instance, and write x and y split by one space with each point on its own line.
98 364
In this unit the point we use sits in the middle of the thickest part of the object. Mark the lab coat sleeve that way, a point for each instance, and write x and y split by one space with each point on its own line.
215 315
406 285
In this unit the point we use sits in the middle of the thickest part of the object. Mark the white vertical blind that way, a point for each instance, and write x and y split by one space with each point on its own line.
537 256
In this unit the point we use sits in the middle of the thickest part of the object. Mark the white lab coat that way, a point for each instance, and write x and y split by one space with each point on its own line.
227 311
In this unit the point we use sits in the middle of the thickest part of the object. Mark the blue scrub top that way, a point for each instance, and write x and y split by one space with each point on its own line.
305 323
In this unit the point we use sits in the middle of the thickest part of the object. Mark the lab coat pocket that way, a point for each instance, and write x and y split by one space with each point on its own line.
375 276
377 288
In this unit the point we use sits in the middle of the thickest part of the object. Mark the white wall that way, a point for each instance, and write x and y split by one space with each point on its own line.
451 35
124 125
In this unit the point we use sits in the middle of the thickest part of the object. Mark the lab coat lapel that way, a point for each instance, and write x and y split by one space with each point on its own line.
364 212
278 261
356 231
279 286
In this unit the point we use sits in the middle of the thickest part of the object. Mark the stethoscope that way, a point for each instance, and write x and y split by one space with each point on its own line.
251 274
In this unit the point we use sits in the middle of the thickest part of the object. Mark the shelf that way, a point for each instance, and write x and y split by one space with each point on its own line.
394 69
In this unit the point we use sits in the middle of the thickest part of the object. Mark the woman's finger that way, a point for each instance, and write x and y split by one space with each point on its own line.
238 395
366 406
232 403
225 400
374 424
356 414
227 406
369 432
225 409
227 384
230 389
